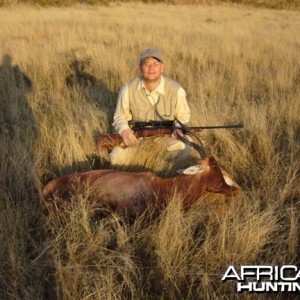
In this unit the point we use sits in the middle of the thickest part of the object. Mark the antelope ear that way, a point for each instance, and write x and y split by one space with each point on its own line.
190 170
228 179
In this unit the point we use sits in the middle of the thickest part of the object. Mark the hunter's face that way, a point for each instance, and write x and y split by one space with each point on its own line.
151 69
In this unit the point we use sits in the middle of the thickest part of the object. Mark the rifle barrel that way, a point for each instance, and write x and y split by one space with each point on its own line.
218 126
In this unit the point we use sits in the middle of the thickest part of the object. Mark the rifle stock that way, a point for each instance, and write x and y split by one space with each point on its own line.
108 141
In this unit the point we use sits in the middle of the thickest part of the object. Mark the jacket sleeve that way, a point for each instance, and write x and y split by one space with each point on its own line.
122 113
182 109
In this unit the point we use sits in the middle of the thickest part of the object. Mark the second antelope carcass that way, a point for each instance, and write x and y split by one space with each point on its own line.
130 193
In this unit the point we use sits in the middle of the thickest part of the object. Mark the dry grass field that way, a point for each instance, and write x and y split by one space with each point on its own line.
60 73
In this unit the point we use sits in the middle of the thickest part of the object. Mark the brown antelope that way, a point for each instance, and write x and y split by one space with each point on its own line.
131 193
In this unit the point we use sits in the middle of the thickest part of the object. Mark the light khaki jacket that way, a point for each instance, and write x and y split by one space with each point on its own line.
133 104
141 108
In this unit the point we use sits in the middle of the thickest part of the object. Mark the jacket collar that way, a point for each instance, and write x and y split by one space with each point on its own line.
160 88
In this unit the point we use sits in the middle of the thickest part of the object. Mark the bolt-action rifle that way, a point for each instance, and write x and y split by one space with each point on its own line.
148 129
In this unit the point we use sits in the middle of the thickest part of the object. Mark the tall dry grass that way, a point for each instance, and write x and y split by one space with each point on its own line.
237 64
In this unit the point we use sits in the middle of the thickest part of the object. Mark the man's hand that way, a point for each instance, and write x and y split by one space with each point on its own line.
176 133
128 137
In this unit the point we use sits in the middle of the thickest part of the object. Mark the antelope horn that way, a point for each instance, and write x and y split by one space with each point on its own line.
197 147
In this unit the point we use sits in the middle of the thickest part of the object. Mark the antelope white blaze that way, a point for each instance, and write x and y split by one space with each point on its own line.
193 170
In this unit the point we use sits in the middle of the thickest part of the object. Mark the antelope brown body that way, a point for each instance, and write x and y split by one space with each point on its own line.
131 193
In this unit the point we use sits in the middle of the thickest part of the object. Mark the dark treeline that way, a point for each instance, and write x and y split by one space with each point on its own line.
274 4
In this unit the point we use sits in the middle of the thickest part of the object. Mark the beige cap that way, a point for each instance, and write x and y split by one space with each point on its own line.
152 52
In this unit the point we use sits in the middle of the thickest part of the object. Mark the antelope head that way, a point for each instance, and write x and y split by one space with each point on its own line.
217 180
